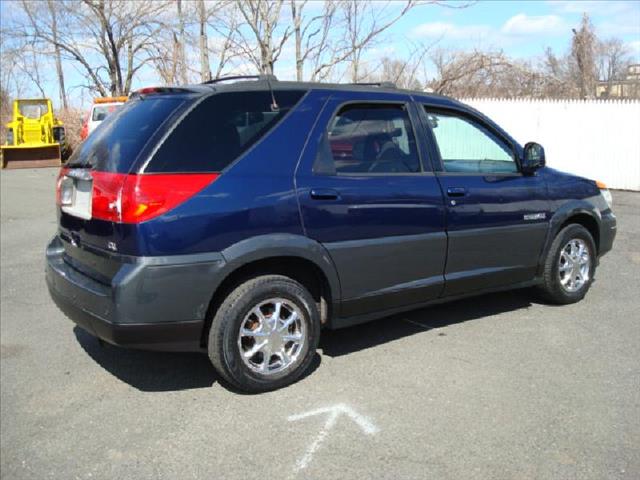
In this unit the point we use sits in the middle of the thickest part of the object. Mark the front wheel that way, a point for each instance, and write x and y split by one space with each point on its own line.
265 334
570 265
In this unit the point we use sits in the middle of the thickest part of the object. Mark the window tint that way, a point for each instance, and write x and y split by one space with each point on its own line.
116 143
219 129
365 138
468 147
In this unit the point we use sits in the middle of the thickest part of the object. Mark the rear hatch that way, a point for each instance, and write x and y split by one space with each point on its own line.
152 155
89 187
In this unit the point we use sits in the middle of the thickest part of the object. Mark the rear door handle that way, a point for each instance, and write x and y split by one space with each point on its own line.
456 191
324 194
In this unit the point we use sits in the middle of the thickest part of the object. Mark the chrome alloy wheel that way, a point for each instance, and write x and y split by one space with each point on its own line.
574 265
272 336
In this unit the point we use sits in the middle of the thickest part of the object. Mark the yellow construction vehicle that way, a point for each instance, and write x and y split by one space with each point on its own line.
35 138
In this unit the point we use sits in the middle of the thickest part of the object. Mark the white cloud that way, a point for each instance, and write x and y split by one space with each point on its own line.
623 26
611 18
522 24
450 31
599 7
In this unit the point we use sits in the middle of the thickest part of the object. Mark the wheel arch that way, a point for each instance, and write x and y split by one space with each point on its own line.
588 221
295 256
579 212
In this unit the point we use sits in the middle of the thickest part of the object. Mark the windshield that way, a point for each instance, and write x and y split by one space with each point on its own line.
100 112
117 142
33 110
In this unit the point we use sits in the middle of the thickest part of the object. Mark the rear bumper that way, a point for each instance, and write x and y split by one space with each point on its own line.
608 229
168 336
150 303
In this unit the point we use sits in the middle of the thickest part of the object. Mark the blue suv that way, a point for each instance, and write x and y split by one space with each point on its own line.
242 218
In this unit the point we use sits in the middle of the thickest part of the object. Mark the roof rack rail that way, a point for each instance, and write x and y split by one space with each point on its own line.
242 77
375 84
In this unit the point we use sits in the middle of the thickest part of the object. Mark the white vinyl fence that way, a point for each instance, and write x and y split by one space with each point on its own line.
598 139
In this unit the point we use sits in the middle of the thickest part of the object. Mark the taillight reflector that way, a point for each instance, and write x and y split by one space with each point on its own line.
128 198
63 171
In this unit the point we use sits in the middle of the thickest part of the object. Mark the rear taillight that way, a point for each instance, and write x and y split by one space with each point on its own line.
127 198
106 195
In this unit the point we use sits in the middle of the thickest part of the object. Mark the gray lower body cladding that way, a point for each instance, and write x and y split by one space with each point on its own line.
155 303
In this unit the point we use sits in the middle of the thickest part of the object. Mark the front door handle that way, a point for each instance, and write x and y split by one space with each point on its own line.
324 194
456 191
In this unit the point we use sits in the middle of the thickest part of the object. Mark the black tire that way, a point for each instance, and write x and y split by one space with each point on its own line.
551 288
223 348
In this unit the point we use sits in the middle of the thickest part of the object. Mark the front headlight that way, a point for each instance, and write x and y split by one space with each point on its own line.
606 194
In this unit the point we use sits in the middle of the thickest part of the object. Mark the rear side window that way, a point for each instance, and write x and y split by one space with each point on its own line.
219 130
116 143
369 138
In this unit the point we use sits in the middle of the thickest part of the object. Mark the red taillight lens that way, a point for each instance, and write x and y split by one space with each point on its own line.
106 197
147 196
126 198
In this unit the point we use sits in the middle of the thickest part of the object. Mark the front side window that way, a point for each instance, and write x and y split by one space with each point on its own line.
369 138
468 147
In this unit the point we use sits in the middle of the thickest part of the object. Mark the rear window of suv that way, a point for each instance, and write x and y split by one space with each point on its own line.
219 130
118 141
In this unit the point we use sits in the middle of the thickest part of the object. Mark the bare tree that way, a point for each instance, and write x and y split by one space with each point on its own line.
28 63
169 51
224 18
203 40
613 59
484 73
364 21
180 38
296 17
109 40
264 46
315 46
408 72
57 55
583 53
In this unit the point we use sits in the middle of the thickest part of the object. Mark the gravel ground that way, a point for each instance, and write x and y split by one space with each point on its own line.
496 387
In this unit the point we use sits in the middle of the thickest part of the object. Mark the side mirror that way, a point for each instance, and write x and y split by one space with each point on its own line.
533 157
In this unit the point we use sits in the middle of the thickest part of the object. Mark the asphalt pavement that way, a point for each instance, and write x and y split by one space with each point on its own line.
495 387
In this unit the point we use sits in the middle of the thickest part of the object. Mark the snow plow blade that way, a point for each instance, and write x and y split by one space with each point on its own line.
31 157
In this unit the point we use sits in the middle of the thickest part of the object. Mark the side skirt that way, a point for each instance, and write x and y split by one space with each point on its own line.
343 322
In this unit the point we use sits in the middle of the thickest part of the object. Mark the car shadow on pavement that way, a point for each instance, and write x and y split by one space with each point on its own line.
360 337
150 371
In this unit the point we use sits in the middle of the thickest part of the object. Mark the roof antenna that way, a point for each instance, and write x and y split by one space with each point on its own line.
274 104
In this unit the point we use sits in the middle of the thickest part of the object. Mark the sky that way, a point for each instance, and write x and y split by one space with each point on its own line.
522 29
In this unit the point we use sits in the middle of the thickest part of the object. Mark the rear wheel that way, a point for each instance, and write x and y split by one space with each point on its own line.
570 265
265 334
